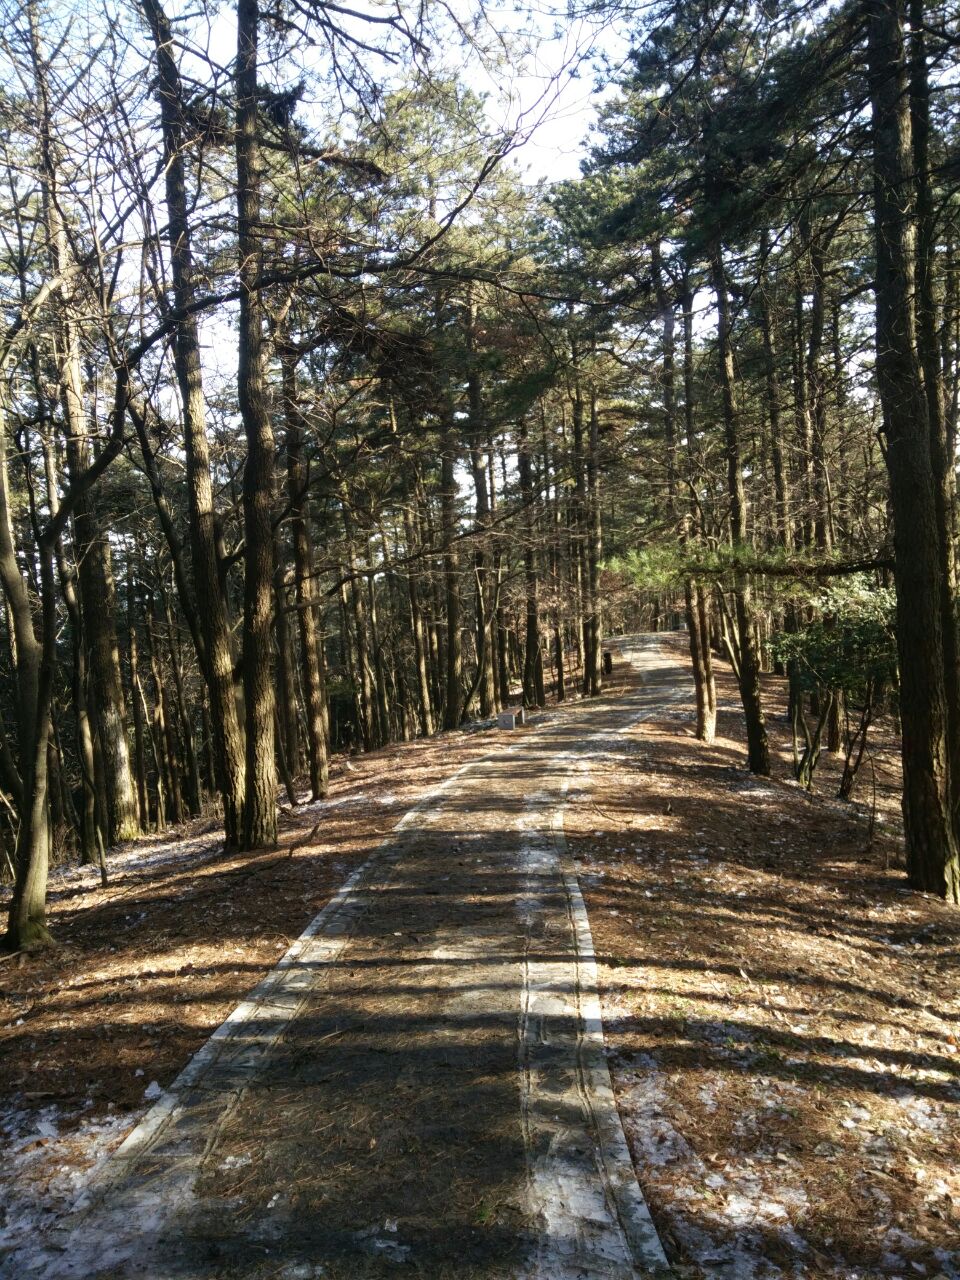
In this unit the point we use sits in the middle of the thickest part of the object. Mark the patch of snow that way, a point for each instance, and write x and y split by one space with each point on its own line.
48 1129
753 787
37 1152
707 1093
236 1162
723 1218
316 806
922 1115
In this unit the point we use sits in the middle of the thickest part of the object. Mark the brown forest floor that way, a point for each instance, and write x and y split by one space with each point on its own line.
149 967
780 1010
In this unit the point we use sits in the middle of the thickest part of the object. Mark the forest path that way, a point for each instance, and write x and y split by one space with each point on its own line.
420 1085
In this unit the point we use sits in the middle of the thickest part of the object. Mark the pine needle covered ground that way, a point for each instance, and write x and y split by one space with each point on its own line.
780 1011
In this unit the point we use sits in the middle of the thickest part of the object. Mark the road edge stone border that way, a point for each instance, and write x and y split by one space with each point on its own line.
633 1212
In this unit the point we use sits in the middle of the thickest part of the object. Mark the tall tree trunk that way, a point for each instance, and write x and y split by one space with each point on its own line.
356 729
431 598
484 610
499 625
163 723
845 445
97 591
593 621
699 653
26 919
823 534
933 863
217 660
579 523
260 799
695 598
99 604
942 449
823 530
379 666
478 469
804 533
136 697
89 845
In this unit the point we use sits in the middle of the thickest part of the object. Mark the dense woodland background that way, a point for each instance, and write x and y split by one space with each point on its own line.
321 429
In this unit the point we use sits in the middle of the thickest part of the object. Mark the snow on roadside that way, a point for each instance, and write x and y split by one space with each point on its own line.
306 805
46 1169
134 861
143 857
722 1217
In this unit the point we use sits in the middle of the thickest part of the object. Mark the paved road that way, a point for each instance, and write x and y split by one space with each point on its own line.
420 1087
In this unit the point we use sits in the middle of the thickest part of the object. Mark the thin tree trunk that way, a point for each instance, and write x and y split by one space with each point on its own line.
191 766
379 668
451 576
534 694
136 696
804 534
593 622
772 395
287 716
311 668
499 626
155 737
758 752
163 724
478 469
695 602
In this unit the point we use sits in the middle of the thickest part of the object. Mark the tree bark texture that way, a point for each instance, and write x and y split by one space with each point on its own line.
932 854
260 808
